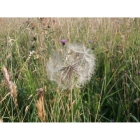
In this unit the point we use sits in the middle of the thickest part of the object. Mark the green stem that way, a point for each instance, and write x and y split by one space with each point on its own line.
71 105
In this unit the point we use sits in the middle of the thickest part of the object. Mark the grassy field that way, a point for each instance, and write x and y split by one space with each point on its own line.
28 95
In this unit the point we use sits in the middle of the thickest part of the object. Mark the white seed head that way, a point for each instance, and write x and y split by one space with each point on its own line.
73 65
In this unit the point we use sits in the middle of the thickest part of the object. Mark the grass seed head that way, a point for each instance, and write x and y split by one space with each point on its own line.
40 105
12 86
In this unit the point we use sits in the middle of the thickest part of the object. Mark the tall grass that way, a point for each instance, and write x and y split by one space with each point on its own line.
113 94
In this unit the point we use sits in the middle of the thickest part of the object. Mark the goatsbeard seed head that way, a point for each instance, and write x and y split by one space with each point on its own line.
72 65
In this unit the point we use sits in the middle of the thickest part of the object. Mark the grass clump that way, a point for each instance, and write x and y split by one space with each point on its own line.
112 94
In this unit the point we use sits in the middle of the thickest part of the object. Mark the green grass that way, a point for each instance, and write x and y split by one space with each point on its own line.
114 90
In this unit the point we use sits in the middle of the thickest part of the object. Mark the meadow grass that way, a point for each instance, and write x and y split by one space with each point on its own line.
113 93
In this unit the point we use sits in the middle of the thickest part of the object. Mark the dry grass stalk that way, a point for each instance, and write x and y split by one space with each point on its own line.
11 85
40 105
1 120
